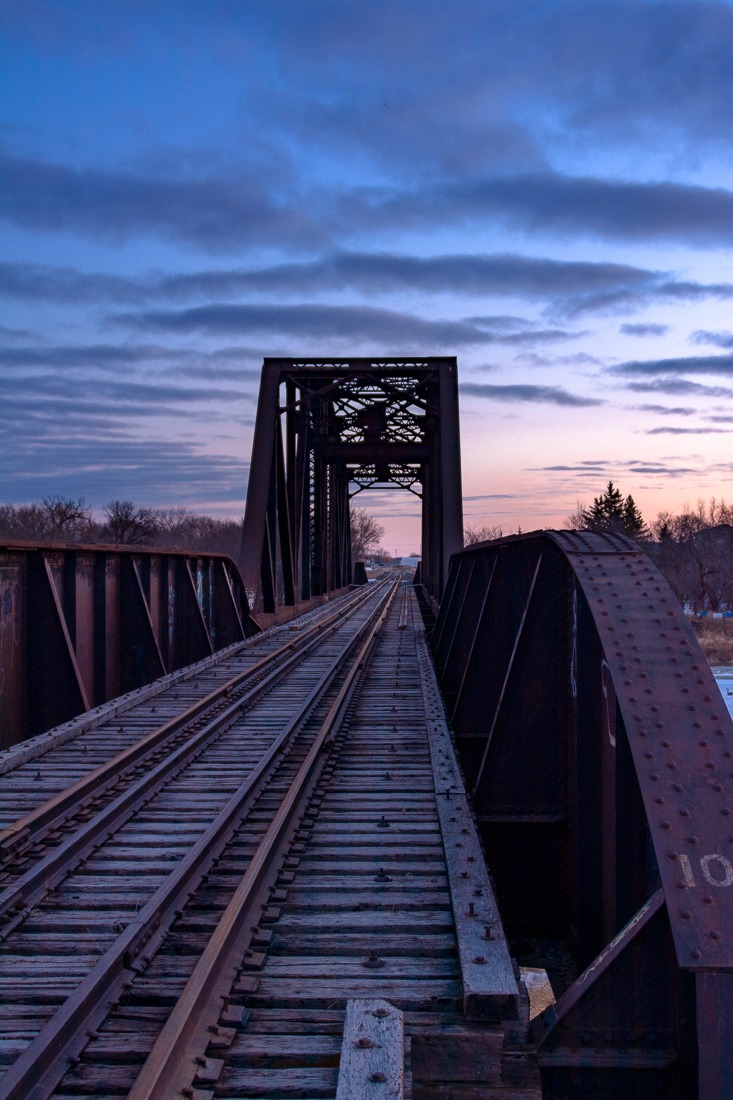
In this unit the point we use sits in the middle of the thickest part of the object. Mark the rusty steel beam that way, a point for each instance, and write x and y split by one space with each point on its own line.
599 750
80 625
327 429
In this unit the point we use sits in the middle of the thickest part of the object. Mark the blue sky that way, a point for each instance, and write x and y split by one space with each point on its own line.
543 189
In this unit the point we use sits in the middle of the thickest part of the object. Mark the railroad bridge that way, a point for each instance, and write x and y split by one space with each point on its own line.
266 832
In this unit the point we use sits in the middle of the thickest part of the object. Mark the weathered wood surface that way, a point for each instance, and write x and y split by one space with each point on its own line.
489 986
372 1052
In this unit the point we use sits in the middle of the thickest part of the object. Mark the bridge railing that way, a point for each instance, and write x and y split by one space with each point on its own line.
598 751
80 625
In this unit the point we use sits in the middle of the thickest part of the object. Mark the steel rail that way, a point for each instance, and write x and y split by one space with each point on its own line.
16 900
32 827
37 1071
171 1066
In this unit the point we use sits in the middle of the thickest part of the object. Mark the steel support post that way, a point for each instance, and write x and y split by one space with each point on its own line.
260 480
451 502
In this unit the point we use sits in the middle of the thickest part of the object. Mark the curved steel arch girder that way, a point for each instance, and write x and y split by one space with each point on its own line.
600 753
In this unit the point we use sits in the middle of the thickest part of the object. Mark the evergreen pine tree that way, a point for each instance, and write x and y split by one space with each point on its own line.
606 514
611 514
634 525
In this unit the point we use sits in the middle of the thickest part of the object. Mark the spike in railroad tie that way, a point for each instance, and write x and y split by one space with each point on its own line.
373 962
254 960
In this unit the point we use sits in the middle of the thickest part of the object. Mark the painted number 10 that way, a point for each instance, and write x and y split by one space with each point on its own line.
716 870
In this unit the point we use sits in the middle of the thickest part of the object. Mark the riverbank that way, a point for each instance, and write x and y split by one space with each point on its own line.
716 639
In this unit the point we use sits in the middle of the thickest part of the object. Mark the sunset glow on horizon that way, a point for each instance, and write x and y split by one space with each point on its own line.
543 190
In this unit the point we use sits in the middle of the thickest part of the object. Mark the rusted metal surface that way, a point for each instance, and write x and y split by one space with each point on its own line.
82 624
679 735
625 1022
599 753
599 756
326 430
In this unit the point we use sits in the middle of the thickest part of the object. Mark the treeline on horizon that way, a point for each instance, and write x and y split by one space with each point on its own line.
62 519
693 549
66 520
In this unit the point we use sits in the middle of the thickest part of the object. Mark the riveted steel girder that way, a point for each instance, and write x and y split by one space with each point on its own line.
599 752
83 624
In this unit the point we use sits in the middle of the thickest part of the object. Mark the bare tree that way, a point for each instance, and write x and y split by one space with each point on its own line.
180 529
366 533
694 551
472 535
175 527
22 521
574 522
67 518
127 524
381 556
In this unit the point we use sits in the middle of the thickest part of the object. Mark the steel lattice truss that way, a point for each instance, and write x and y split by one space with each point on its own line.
327 430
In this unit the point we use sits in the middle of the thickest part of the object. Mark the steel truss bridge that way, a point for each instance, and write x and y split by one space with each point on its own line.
464 836
327 430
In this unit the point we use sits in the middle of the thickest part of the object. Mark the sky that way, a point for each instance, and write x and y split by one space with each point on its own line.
543 189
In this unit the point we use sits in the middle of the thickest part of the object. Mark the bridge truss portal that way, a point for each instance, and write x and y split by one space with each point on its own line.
328 429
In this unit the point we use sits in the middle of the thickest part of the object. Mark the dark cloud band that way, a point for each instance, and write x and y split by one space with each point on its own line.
704 364
544 395
221 214
314 321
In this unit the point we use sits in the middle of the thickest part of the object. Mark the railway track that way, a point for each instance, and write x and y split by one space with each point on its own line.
36 770
228 883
